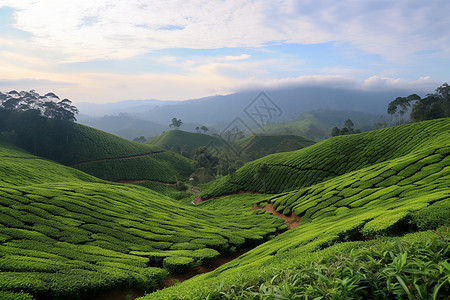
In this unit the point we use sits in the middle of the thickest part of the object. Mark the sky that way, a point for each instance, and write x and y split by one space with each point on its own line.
111 50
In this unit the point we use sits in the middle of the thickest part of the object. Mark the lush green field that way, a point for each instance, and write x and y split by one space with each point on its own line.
256 146
375 224
334 157
65 234
93 151
180 138
349 244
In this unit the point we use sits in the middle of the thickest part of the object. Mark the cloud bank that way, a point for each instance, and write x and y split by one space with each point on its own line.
113 29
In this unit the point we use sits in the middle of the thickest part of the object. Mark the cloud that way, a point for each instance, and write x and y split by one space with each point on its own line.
112 29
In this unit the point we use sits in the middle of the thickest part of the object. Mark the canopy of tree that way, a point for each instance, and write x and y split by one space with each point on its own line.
49 105
176 123
347 129
432 106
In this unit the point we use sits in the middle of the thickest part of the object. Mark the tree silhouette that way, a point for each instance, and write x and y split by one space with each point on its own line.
176 123
432 106
49 105
204 128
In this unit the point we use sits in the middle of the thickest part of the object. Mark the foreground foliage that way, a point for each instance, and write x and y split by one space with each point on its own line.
66 234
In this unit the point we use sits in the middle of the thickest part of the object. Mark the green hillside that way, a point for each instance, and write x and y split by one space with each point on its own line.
93 151
334 157
316 125
179 139
379 231
306 125
65 234
259 145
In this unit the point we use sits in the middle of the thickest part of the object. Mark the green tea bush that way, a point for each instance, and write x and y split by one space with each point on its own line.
177 265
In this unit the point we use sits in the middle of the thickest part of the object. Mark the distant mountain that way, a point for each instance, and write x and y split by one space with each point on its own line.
219 112
127 106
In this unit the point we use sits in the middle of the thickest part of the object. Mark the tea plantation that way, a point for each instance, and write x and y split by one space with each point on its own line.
374 232
65 234
374 209
259 145
92 151
333 157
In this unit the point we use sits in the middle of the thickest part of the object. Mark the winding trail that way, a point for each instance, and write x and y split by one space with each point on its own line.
291 221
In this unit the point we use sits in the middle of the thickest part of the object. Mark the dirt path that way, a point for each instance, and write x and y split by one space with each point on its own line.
115 158
290 221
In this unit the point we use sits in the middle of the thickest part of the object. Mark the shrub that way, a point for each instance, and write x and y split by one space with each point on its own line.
178 264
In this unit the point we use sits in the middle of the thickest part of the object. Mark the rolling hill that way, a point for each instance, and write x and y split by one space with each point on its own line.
369 218
179 139
259 145
93 151
376 230
65 234
317 124
334 157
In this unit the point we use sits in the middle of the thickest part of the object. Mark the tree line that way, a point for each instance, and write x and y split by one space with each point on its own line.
48 105
432 106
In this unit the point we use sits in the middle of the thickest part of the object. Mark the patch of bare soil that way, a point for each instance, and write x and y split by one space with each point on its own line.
198 200
291 221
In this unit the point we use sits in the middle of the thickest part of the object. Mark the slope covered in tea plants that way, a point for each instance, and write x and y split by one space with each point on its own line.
190 140
65 234
259 145
355 239
93 151
333 157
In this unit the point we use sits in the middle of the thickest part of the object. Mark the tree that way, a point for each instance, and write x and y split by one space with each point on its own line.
140 139
176 123
347 129
49 105
433 106
349 125
197 129
335 131
204 128
204 160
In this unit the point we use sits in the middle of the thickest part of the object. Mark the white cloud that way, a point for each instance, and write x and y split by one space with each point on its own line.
112 29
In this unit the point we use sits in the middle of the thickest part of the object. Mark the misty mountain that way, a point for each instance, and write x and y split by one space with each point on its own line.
219 111
127 106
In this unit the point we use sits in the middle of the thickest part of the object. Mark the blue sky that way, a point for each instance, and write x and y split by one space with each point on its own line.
106 51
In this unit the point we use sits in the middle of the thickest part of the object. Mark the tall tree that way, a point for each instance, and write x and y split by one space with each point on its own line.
432 106
204 128
48 105
176 123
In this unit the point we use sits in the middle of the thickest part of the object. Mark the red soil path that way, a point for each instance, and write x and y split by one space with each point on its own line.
290 221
